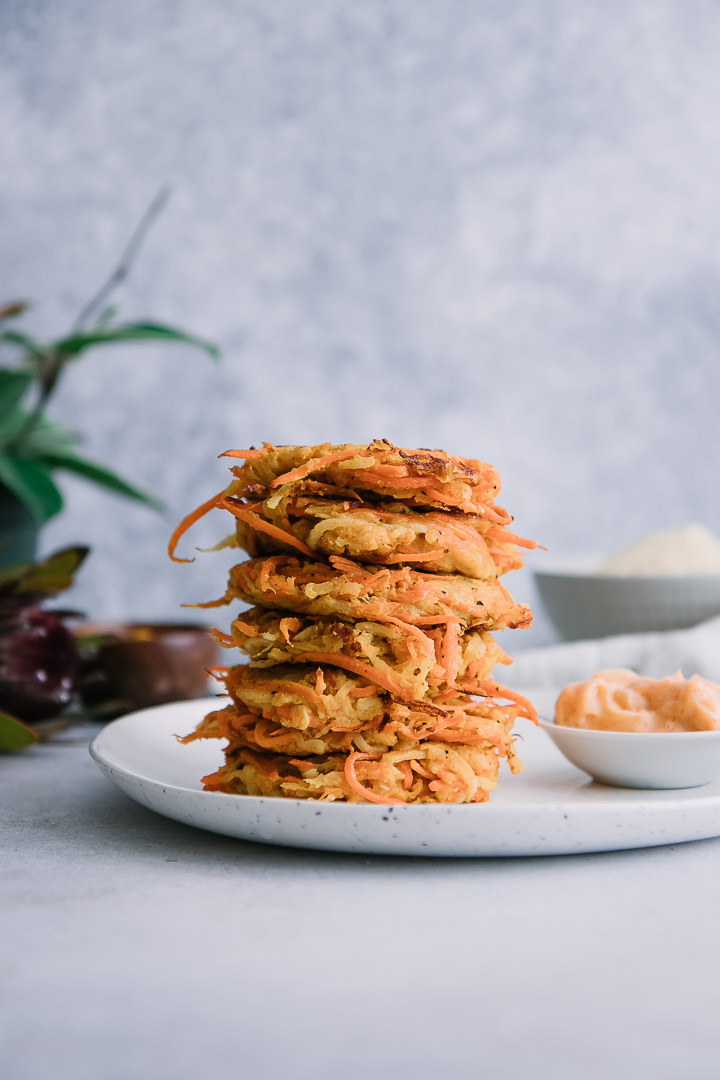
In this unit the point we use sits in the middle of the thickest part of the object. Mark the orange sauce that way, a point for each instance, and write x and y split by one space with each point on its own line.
623 701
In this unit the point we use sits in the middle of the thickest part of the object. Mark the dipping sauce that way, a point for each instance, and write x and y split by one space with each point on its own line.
621 700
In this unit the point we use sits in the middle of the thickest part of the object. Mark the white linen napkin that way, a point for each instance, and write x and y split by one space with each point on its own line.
695 651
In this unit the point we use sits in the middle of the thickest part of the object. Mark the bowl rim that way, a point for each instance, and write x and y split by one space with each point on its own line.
711 734
616 579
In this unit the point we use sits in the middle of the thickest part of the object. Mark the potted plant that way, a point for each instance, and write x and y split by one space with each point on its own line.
40 662
33 447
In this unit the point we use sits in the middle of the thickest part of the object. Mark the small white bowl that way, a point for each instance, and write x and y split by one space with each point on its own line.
631 759
586 605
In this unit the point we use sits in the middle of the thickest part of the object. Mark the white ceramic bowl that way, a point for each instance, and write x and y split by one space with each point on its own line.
584 605
632 759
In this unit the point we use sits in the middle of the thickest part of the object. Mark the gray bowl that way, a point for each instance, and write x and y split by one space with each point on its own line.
597 605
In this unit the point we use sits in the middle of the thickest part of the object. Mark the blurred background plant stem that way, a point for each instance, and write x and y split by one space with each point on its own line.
33 447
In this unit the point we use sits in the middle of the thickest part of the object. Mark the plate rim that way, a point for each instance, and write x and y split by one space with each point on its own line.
285 816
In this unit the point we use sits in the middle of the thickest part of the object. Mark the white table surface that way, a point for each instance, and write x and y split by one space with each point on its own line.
134 946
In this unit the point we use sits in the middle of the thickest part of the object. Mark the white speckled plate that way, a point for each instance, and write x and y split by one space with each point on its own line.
550 809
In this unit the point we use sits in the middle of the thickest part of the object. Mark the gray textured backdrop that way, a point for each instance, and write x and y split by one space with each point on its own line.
488 226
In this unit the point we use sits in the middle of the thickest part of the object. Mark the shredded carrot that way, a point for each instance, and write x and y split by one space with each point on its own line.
450 652
319 682
383 579
405 482
421 770
247 454
345 566
223 639
313 465
362 691
270 741
389 470
420 593
504 559
404 768
289 626
507 537
260 525
241 720
493 689
467 738
358 667
186 522
443 497
413 631
446 695
448 779
357 786
220 602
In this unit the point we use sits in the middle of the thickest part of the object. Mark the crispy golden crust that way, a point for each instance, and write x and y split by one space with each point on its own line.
265 736
348 591
410 772
411 662
306 697
306 515
418 477
334 724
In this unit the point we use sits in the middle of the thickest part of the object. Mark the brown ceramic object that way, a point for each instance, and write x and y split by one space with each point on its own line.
136 665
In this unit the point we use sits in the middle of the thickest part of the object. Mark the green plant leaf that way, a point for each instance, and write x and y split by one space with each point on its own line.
14 735
14 337
98 474
112 335
13 386
44 437
45 431
49 577
31 482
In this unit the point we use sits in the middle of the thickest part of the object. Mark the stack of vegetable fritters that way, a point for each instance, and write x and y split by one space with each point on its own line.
374 572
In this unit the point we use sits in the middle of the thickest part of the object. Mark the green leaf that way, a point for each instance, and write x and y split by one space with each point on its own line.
13 386
52 575
98 474
113 335
14 735
14 337
31 482
44 437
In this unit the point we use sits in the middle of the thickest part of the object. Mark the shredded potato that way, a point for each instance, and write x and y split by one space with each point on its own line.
412 772
320 703
387 654
311 518
374 572
348 591
419 477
